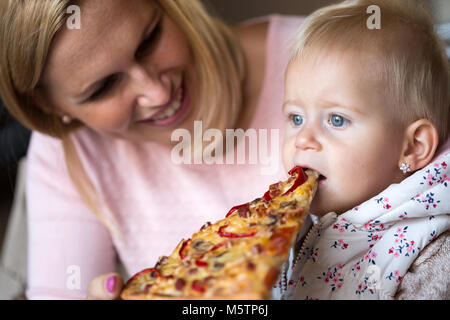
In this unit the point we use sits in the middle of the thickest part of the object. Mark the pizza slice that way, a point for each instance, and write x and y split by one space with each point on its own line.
238 257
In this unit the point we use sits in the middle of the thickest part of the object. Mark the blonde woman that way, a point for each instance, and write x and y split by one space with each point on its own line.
103 99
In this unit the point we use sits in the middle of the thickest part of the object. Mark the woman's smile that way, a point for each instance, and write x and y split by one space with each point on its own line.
173 112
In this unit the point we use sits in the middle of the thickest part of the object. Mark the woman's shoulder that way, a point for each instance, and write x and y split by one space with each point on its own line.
428 277
42 144
46 152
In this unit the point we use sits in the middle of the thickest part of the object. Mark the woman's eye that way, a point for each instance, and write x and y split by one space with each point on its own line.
296 119
338 121
148 43
103 90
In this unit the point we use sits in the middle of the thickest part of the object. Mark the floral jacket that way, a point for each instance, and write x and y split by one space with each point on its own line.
368 251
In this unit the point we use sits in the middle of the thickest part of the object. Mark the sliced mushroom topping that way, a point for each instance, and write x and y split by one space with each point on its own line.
218 265
273 218
220 255
255 201
161 260
201 246
288 203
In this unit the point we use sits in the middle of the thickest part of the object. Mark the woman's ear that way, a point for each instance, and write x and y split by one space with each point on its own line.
420 144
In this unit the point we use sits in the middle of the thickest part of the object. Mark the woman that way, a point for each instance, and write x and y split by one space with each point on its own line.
103 101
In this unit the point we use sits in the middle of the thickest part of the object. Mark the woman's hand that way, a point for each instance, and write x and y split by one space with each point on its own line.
105 287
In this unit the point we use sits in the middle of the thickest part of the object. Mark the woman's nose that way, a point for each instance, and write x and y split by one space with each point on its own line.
150 89
306 139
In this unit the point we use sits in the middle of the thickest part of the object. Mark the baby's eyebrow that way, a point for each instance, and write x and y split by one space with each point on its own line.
326 104
332 104
294 102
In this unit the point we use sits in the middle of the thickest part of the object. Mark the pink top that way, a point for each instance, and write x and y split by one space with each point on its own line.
155 202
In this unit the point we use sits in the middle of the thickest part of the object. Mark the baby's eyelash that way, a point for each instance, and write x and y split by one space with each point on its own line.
343 122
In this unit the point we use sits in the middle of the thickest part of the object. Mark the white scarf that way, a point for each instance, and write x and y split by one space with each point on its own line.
365 252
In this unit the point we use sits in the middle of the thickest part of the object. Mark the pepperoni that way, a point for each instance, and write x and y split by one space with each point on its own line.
199 286
180 284
147 288
244 212
192 271
237 208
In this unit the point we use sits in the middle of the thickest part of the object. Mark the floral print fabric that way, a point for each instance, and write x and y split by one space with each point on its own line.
365 252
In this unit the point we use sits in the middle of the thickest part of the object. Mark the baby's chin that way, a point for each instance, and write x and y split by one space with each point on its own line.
320 207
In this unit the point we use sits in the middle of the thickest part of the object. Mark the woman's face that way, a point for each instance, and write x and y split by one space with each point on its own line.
128 63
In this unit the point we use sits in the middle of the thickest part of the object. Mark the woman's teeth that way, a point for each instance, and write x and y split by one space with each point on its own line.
170 111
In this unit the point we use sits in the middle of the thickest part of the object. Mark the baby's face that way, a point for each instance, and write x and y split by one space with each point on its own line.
337 123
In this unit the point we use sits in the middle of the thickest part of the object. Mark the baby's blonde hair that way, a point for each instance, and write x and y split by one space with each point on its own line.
411 58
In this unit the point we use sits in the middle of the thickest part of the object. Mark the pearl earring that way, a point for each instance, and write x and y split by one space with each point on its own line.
405 167
66 119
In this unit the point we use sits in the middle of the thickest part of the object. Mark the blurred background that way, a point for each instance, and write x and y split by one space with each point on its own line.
14 138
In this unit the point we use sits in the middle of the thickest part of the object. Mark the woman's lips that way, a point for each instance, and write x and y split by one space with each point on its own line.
163 109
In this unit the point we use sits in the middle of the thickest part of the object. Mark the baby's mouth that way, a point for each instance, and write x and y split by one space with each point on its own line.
322 178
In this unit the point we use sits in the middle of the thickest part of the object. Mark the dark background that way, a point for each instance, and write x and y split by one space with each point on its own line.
14 138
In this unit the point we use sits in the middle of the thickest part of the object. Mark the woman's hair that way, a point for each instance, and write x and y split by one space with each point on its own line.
27 28
411 59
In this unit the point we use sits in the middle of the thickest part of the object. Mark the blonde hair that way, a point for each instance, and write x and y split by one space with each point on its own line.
27 28
412 63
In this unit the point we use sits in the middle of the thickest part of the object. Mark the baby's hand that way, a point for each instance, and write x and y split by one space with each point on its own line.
105 287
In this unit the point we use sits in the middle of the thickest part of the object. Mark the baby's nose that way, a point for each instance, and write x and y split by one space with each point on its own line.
306 140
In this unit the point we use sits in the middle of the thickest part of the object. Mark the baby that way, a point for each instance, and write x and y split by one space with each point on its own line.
369 110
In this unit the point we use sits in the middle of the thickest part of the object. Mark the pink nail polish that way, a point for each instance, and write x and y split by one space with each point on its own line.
110 283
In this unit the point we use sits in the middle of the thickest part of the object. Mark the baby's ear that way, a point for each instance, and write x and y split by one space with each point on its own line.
420 144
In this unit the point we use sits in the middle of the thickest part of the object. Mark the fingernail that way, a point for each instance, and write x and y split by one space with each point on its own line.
110 283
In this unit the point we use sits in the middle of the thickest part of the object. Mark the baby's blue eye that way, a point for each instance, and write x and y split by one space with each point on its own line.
338 121
297 120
